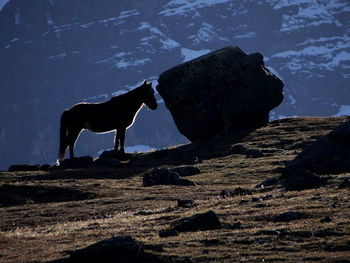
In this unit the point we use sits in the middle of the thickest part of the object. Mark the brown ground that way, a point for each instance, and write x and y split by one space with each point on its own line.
45 215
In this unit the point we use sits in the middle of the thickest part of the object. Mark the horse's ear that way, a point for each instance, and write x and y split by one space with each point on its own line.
144 82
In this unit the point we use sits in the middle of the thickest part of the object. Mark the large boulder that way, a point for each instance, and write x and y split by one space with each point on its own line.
220 93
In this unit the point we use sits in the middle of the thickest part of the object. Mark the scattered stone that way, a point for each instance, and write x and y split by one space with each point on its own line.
219 93
237 191
345 184
184 202
335 205
24 167
168 233
328 155
302 179
327 219
254 153
165 176
268 182
116 249
235 226
269 232
156 247
187 170
108 162
205 221
237 149
289 216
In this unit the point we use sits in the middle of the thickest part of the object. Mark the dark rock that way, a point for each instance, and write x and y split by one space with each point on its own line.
24 167
205 221
80 162
328 155
289 216
168 233
115 249
115 155
236 191
345 184
187 170
157 247
269 232
327 219
184 202
219 93
268 182
108 162
237 149
165 176
235 226
254 153
302 179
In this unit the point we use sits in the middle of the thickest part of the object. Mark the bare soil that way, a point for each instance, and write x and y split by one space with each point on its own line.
44 215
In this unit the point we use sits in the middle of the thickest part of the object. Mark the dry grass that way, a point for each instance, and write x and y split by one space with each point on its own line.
44 215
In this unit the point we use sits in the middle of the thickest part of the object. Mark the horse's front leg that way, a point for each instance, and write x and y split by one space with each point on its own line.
116 141
121 137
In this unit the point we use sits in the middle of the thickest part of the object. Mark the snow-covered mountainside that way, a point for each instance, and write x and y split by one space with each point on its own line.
54 53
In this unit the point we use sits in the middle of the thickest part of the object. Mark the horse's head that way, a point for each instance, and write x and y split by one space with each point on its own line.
148 95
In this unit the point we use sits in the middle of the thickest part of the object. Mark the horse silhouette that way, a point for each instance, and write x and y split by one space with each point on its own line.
117 114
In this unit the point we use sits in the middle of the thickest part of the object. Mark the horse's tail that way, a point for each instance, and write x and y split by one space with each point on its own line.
63 136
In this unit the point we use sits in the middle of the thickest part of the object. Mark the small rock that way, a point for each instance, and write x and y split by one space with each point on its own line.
168 233
109 162
24 167
254 153
184 202
235 226
268 182
237 149
289 216
187 170
345 184
205 221
327 219
301 179
165 176
115 249
335 205
236 191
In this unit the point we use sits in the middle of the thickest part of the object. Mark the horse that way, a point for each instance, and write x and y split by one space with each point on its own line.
117 114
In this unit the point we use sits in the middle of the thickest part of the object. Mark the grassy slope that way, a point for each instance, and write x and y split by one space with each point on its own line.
44 215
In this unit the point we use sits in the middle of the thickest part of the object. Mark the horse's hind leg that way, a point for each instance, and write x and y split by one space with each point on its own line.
73 134
116 141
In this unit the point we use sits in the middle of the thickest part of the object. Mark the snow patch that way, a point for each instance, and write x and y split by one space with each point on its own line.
343 110
3 3
60 56
139 148
122 64
189 54
182 7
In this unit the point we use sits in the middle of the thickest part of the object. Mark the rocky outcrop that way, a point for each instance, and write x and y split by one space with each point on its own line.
165 176
220 93
328 155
